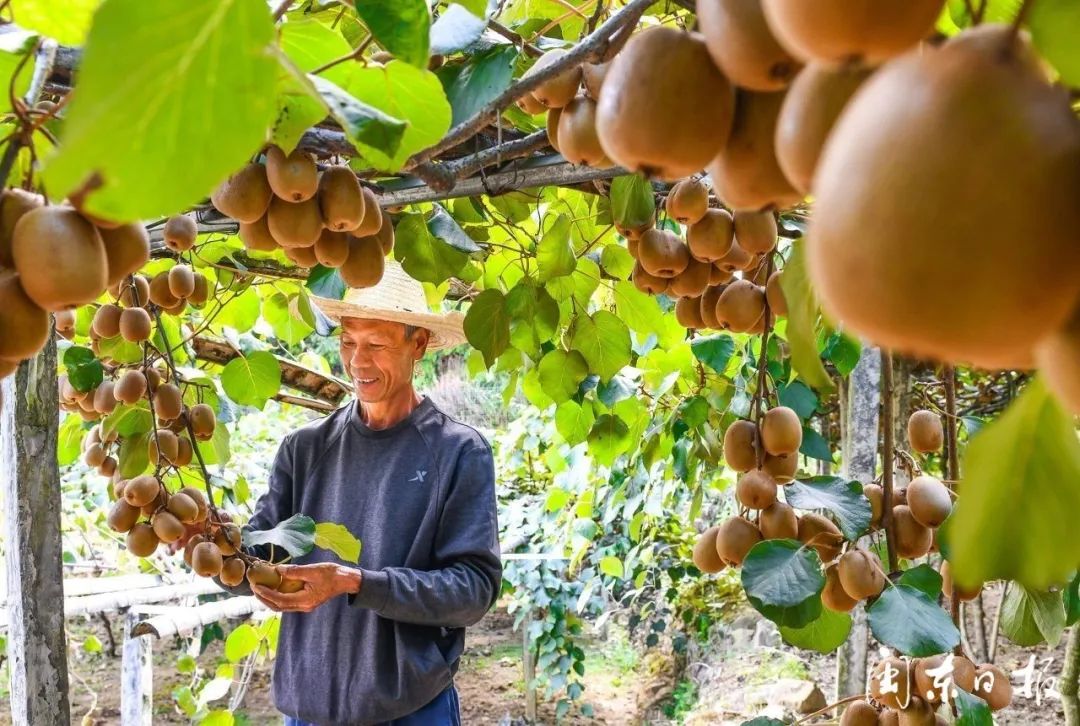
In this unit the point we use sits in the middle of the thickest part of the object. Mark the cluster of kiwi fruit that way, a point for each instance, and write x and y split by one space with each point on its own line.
216 553
53 259
314 217
912 697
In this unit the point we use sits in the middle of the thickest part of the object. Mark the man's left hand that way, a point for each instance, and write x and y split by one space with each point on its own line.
321 582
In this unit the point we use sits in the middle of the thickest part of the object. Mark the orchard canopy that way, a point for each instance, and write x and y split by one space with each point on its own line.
789 291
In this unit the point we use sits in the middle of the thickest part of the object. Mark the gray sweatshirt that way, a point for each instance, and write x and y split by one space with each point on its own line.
420 496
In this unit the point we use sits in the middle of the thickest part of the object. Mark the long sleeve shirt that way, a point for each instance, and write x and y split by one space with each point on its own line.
420 496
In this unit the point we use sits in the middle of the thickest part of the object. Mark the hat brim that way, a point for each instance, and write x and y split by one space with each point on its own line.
446 330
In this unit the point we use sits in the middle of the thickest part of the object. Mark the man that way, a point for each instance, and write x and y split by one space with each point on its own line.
380 643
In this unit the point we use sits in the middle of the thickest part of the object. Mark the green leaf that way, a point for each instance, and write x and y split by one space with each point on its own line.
643 314
378 133
242 642
278 310
446 228
296 535
844 352
925 578
555 254
782 573
91 644
843 499
14 45
242 312
471 87
84 370
609 437
798 616
823 635
1014 519
801 319
219 718
127 419
1030 617
66 22
617 261
401 27
612 566
326 282
455 30
339 540
574 421
714 350
216 450
69 440
632 201
132 458
1053 25
561 373
534 316
604 340
906 619
120 350
556 499
814 445
253 379
158 87
487 325
426 258
972 710
798 397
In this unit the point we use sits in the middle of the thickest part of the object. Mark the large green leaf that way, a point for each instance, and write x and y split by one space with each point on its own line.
604 340
632 201
84 370
574 421
1014 519
296 535
160 85
1053 25
801 320
69 440
782 573
642 314
133 458
338 539
67 22
252 379
905 618
814 445
971 710
487 325
425 257
534 317
13 46
796 616
242 642
280 311
472 86
561 373
843 499
554 254
402 27
714 350
823 635
455 29
925 578
128 419
1030 617
609 437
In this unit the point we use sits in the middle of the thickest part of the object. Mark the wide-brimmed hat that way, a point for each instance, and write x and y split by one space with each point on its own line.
400 299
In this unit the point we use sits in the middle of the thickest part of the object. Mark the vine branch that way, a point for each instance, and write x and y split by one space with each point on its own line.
887 453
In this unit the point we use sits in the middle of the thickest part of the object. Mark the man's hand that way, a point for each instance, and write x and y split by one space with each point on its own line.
321 582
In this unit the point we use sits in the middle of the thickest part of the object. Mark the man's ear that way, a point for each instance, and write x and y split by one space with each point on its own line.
422 337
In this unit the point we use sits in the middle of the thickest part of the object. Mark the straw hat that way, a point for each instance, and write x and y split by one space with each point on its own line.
400 299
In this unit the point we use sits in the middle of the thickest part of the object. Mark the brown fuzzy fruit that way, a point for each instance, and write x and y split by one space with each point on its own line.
1058 358
836 33
302 256
991 300
781 468
206 559
365 264
168 402
710 238
385 235
755 231
687 203
332 248
183 507
860 574
127 248
592 78
781 431
779 521
739 445
265 574
859 713
720 276
774 294
232 572
706 558
889 717
746 175
135 325
741 44
228 539
341 200
181 281
818 532
735 538
530 105
961 675
141 540
256 236
289 585
912 538
890 682
163 446
25 325
130 387
296 224
647 283
875 494
106 322
194 541
373 215
929 501
578 141
184 452
14 203
925 432
688 313
122 516
558 91
245 195
167 527
201 293
811 107
104 398
201 417
180 233
834 597
662 253
741 306
293 178
552 127
708 306
200 501
60 258
756 489
693 281
159 291
948 586
993 686
736 258
136 293
642 117
142 490
917 713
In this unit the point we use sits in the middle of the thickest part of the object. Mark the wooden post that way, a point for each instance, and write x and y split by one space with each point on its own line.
529 665
37 647
136 676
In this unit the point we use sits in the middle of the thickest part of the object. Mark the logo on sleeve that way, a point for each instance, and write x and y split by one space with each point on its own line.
419 476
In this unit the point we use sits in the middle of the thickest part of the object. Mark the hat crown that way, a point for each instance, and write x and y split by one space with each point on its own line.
396 291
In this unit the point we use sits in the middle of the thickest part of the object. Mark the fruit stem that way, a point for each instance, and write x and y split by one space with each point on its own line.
887 453
130 281
1021 16
759 394
951 466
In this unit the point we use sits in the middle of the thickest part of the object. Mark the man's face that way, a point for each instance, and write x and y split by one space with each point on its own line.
379 356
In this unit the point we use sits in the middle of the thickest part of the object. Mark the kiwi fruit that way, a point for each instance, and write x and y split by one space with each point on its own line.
552 126
232 572
925 432
106 321
141 490
889 717
302 256
840 33
385 235
64 320
992 685
296 224
719 276
135 325
180 233
709 298
781 468
693 281
122 516
142 540
740 440
201 293
25 324
781 431
245 195
365 264
756 489
202 420
746 175
373 215
1058 358
265 574
184 452
200 501
735 538
206 559
578 142
779 521
530 105
289 585
819 532
341 200
104 400
183 507
875 495
929 501
167 527
948 587
642 117
687 202
592 78
917 713
859 713
706 558
127 249
293 178
162 447
833 595
256 236
913 539
136 293
60 258
662 253
94 455
774 294
894 672
710 237
650 284
168 402
130 387
688 313
181 281
755 231
331 248
990 301
741 306
160 294
810 109
14 203
736 258
558 91
743 47
193 541
228 539
860 574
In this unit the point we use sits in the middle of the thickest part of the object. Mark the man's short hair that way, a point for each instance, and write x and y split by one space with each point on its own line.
410 330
